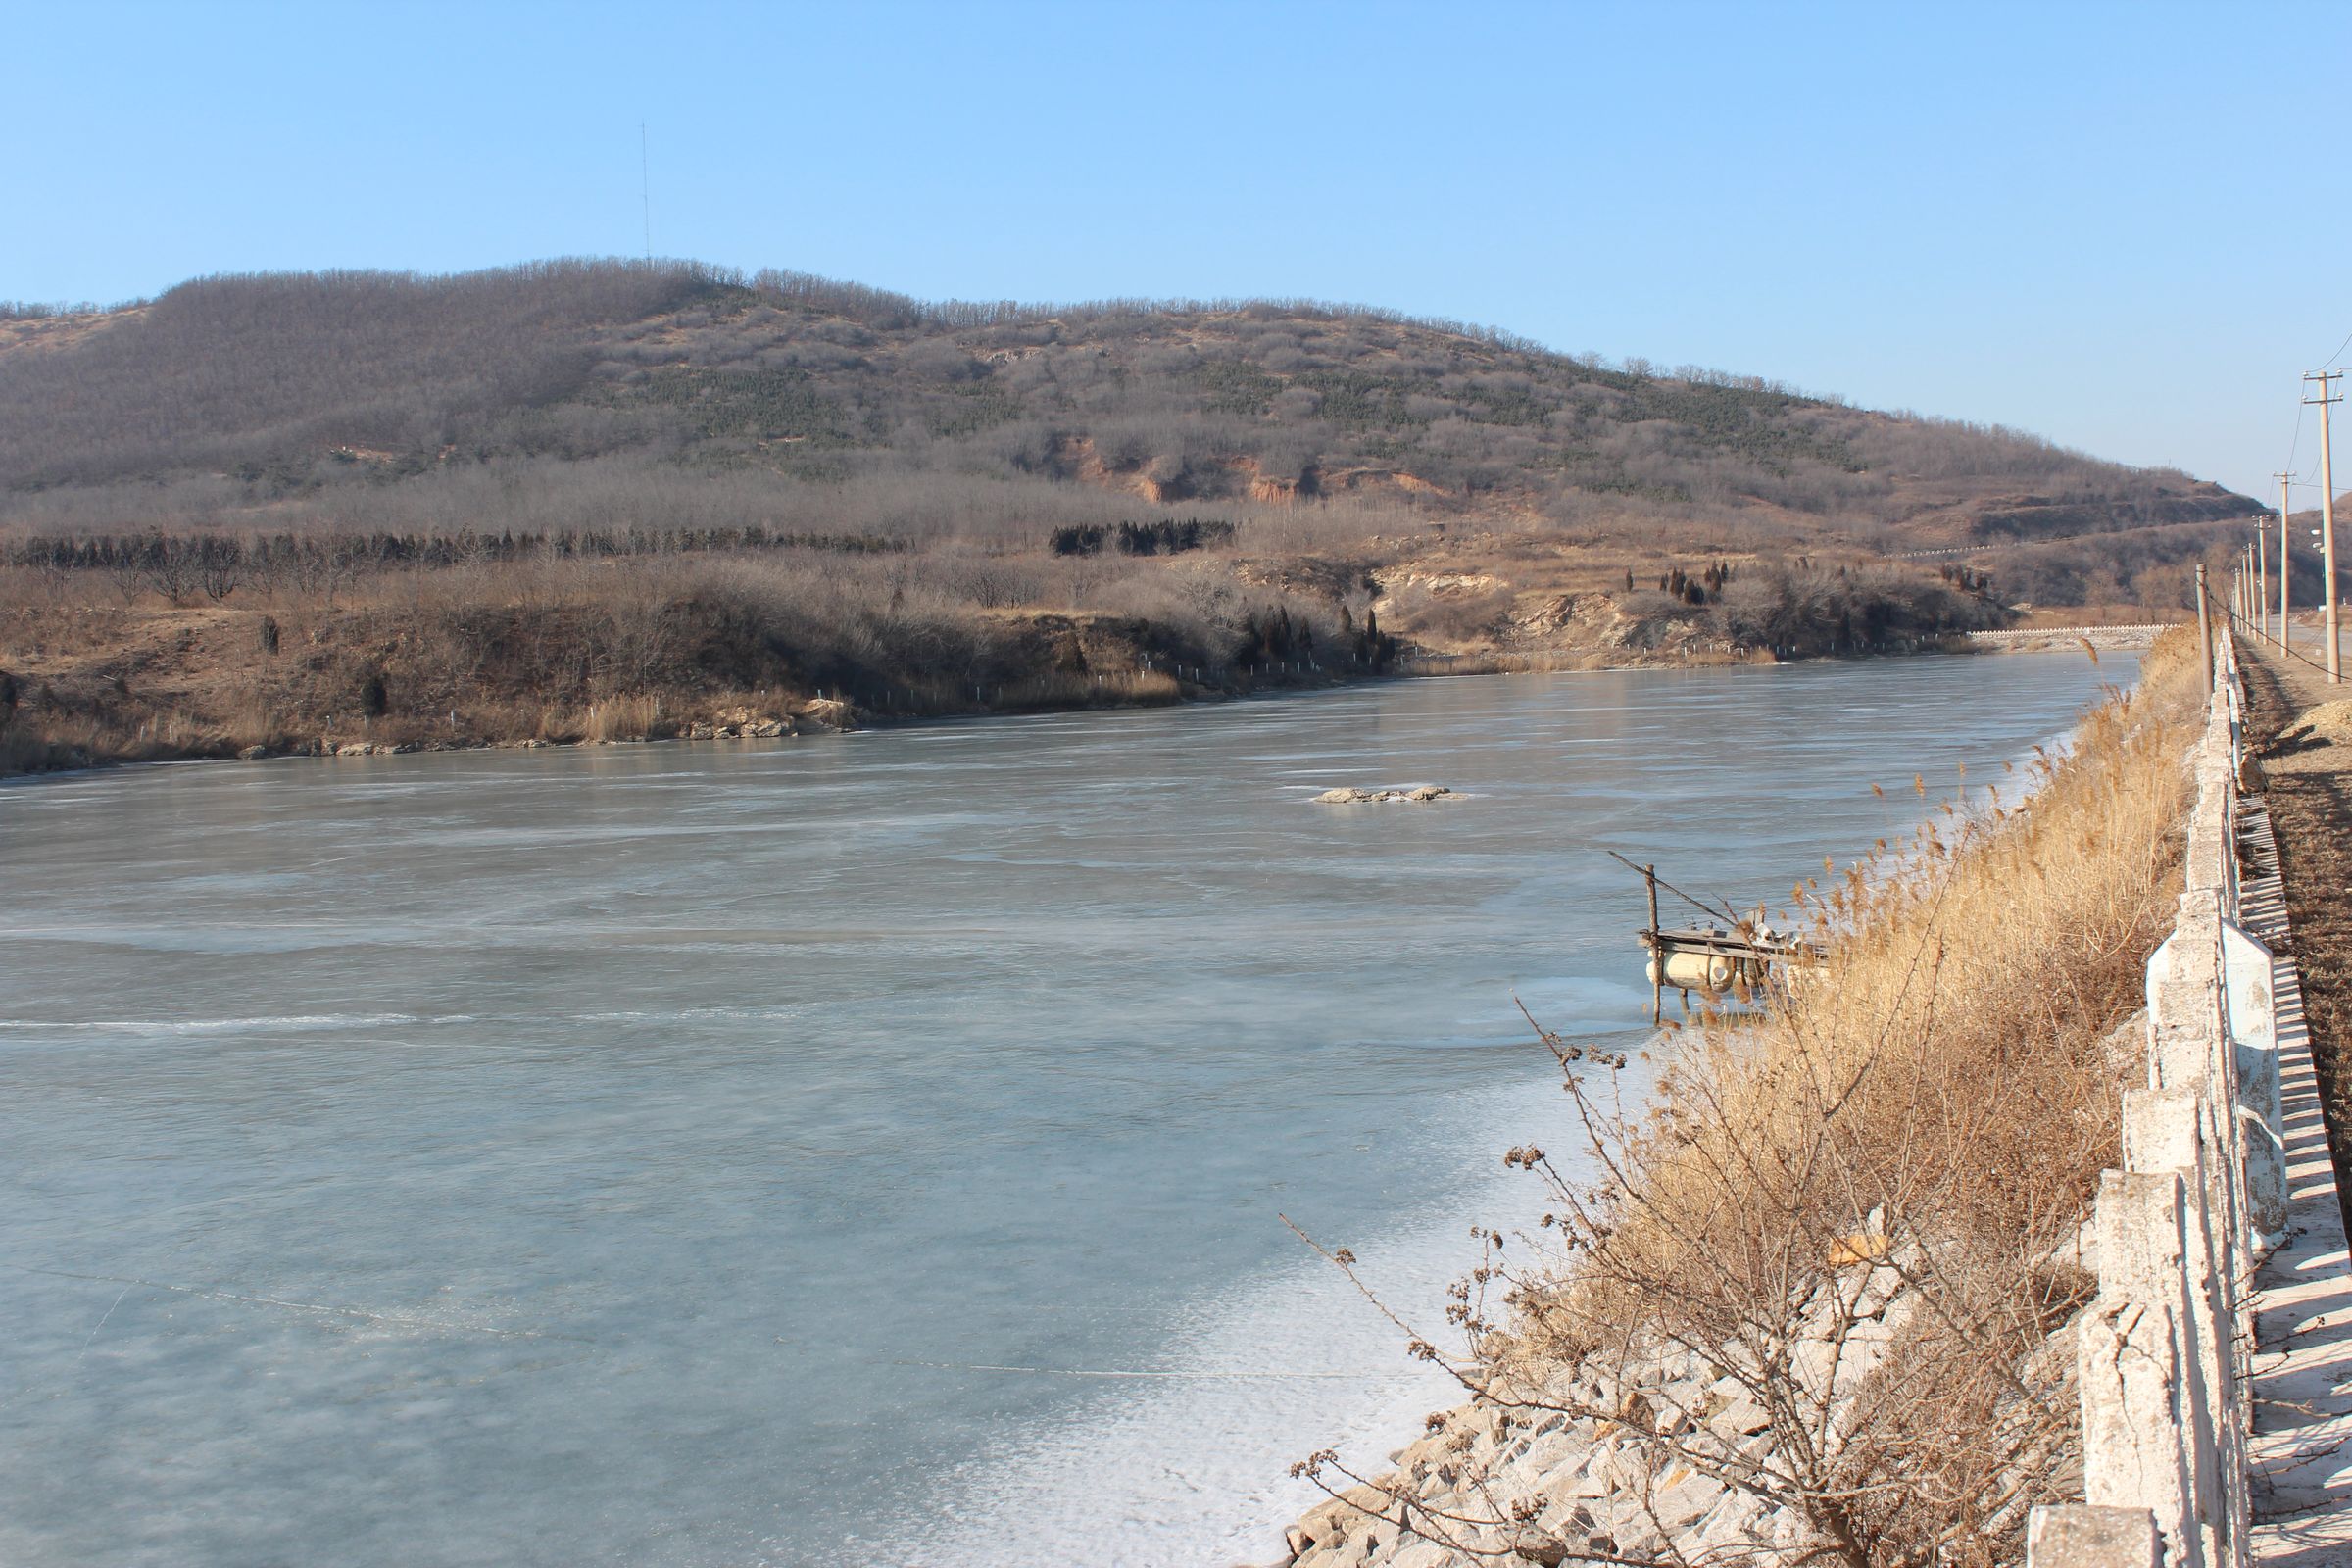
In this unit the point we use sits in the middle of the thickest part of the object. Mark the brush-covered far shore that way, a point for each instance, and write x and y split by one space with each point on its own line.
594 500
166 647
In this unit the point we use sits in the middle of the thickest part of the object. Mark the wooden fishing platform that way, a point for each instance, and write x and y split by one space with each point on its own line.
1711 959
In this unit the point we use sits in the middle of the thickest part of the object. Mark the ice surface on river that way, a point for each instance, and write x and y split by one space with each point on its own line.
656 1155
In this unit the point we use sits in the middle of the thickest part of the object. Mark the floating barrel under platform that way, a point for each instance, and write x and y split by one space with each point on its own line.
1712 960
1716 962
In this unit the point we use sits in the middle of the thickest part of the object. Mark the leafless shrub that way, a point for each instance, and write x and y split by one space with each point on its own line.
1471 614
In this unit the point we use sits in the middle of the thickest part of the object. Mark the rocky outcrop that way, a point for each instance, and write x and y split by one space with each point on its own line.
1664 1458
1346 796
1546 1486
758 729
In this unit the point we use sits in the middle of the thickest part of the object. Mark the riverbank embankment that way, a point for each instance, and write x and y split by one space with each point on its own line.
156 646
220 683
1824 1301
87 684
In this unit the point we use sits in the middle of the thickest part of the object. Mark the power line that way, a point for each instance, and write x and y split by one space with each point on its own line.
644 192
2302 659
2340 351
2296 446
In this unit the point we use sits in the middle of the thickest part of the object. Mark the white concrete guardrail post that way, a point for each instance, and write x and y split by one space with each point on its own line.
2252 1013
2093 1537
2200 1199
2147 1419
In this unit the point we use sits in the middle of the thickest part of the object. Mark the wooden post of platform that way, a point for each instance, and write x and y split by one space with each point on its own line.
1657 953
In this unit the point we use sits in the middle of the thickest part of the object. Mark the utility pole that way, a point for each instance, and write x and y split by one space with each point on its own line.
2262 585
2204 626
2286 627
2329 394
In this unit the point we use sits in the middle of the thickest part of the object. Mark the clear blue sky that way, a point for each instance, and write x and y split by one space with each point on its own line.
2121 226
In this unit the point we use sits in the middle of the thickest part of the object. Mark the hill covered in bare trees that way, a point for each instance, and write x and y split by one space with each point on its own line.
796 403
547 489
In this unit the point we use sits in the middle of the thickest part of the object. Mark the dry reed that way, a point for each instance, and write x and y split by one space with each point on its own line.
621 718
1859 1206
1937 1096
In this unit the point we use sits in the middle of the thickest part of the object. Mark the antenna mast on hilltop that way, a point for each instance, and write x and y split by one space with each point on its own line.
645 190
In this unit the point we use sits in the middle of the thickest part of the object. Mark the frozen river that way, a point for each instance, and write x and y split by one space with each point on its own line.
851 1150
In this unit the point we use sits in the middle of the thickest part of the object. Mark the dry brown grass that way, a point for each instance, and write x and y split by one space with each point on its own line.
621 718
1059 689
1966 984
1859 1206
1936 1097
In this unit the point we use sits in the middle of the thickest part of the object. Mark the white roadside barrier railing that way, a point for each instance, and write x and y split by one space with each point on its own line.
2149 629
2163 1352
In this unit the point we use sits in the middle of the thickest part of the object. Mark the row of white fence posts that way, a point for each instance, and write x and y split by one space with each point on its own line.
2163 1352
